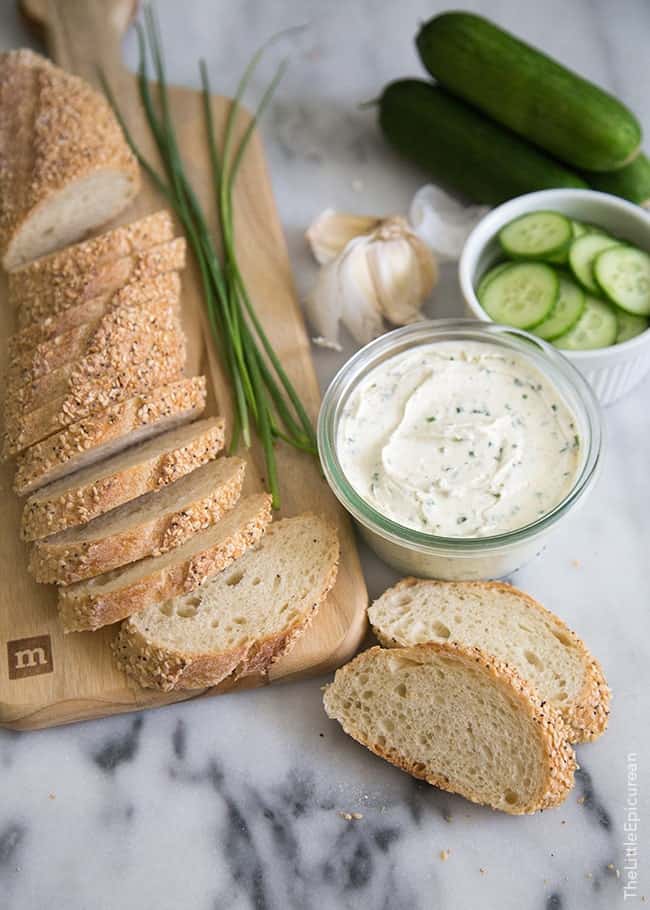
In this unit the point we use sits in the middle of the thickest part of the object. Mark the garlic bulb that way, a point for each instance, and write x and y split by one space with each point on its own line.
331 232
385 273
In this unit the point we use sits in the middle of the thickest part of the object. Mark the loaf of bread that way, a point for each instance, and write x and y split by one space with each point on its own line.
150 525
89 313
105 278
100 381
458 719
511 626
240 621
141 469
58 270
108 432
65 166
108 598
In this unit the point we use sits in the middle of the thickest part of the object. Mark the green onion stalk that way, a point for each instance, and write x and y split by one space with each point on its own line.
264 397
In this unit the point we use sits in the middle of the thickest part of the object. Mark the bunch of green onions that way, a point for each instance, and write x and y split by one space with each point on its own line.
263 393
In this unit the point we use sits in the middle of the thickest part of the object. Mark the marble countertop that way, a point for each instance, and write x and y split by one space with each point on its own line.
239 802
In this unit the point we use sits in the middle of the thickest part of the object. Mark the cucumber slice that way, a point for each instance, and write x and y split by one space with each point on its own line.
623 273
566 312
537 235
578 228
630 326
489 275
596 328
582 254
522 295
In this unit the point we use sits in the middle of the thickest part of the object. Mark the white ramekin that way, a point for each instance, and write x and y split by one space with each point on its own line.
613 371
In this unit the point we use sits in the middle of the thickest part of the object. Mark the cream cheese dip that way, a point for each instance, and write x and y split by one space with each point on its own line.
459 439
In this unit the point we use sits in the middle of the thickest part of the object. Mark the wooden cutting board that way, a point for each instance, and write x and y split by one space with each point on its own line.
47 678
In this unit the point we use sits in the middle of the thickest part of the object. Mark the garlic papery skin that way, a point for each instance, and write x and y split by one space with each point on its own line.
403 270
387 273
331 232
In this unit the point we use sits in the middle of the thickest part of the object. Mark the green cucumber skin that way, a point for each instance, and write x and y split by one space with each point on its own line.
631 182
529 92
462 149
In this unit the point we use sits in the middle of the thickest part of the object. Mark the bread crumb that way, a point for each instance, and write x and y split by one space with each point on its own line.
51 795
351 816
482 871
581 800
444 855
357 816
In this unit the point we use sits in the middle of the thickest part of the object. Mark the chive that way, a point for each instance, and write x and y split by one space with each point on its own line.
262 390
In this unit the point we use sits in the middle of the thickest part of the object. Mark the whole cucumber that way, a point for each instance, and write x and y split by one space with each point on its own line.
630 182
462 149
528 92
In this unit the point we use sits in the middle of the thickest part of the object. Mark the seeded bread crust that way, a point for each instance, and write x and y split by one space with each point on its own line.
105 487
121 341
587 716
90 312
58 269
54 130
96 384
121 539
560 763
84 607
167 668
62 453
79 340
105 278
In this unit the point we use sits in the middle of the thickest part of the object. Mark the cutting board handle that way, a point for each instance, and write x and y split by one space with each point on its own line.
83 35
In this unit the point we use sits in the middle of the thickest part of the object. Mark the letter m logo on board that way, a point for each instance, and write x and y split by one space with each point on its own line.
30 656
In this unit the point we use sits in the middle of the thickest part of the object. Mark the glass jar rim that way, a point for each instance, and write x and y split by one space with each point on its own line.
547 359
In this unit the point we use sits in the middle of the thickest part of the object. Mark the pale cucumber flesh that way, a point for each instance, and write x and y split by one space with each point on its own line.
522 295
566 312
582 255
596 328
623 274
630 326
537 235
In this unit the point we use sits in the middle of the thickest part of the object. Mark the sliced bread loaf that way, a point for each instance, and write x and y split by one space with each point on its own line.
120 322
58 269
510 625
66 166
123 338
108 432
106 278
92 387
142 469
150 525
459 720
89 312
108 598
240 621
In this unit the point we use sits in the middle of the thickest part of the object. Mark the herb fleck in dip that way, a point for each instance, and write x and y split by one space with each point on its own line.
459 439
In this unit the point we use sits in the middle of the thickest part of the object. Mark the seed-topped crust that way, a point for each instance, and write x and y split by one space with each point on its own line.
115 427
148 526
559 762
99 381
148 467
106 599
118 341
54 130
44 275
105 278
90 312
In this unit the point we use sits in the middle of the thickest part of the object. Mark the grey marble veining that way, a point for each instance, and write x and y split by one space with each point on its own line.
240 802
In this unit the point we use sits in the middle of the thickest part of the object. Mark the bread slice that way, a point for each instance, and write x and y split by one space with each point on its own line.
108 598
90 312
72 263
459 720
510 625
150 525
142 469
66 166
123 339
97 383
76 341
105 278
108 432
240 621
